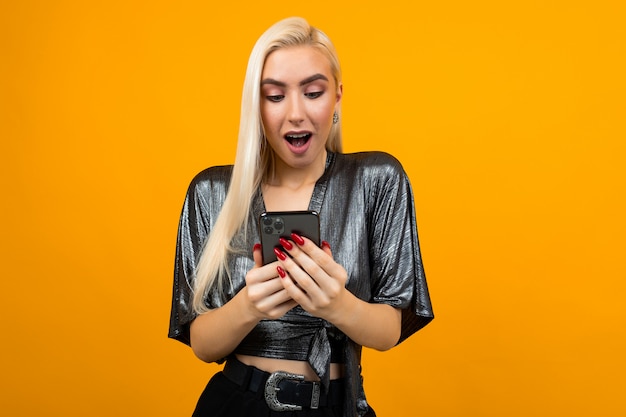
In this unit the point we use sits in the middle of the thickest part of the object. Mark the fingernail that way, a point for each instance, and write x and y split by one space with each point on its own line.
285 243
296 238
325 244
279 254
281 272
256 247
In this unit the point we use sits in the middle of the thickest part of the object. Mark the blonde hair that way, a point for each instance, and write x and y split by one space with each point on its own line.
254 160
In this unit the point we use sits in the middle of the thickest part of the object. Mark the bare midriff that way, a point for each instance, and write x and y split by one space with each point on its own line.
295 367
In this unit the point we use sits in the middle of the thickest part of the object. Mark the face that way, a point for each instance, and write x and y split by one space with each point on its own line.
298 99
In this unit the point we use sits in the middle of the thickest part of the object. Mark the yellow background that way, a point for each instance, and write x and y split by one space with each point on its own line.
508 117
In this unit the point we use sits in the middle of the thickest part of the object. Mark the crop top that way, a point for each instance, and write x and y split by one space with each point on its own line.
367 214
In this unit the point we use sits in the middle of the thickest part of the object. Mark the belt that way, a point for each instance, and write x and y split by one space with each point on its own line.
283 391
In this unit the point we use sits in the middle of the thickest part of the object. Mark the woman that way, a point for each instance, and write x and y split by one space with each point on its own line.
291 332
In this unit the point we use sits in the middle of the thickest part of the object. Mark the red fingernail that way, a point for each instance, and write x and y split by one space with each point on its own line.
285 243
279 254
256 247
296 238
281 272
325 244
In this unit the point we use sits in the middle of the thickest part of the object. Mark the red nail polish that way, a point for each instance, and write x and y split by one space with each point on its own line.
256 247
296 238
279 254
281 272
285 243
325 244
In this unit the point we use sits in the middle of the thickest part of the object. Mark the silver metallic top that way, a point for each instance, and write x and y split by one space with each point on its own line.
367 214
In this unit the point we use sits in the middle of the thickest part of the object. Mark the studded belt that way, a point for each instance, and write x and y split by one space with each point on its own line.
284 391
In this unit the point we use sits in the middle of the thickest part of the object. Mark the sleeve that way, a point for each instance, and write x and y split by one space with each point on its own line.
193 229
398 277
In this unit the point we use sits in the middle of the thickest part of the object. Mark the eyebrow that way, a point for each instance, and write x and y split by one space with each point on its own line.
306 81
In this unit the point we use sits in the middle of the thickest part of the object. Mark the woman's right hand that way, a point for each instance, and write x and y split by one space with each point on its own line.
216 333
266 294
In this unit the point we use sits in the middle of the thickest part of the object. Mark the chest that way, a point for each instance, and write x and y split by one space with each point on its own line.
278 198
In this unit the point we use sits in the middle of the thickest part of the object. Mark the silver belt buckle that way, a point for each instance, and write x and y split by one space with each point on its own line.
272 388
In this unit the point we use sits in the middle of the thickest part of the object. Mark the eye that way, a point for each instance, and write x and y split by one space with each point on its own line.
314 94
275 98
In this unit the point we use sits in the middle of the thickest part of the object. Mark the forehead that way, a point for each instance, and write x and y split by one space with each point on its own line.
296 63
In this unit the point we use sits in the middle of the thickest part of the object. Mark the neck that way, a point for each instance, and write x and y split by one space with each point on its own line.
295 178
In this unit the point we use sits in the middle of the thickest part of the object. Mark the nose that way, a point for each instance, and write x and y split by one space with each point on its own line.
295 112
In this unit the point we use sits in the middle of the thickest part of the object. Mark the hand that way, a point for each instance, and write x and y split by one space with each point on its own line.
267 297
311 277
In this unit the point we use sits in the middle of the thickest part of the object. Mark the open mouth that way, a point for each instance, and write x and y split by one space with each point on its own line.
298 139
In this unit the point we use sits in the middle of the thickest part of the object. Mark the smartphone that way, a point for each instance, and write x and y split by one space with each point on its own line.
277 224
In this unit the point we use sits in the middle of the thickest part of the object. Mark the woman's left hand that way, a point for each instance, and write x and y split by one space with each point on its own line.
317 283
312 277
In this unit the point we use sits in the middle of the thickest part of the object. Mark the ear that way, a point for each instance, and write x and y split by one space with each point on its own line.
339 92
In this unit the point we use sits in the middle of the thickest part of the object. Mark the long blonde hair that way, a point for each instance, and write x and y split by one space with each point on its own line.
254 160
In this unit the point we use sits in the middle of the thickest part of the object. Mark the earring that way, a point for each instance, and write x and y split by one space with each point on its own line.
335 118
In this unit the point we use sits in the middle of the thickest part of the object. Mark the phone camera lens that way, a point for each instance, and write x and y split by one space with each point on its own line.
279 225
268 230
267 221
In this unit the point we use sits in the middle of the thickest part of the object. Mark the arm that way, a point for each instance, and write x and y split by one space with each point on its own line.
315 281
216 333
372 325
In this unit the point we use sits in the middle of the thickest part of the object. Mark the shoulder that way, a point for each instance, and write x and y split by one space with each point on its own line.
209 187
211 179
375 164
215 174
